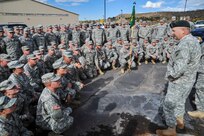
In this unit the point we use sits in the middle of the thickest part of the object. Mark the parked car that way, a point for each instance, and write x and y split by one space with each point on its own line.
12 25
198 32
199 24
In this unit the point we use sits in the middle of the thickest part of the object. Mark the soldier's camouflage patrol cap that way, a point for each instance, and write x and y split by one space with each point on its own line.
50 48
25 48
32 56
15 64
41 48
26 30
10 30
6 85
90 42
61 46
59 64
16 27
6 102
67 53
36 52
119 38
5 57
50 77
109 43
39 27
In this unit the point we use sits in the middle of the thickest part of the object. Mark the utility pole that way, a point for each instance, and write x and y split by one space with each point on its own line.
185 6
121 16
104 10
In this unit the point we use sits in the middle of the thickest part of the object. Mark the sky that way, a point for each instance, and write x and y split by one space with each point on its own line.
94 9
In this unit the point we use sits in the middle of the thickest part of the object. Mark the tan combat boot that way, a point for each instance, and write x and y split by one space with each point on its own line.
153 61
196 114
146 62
113 67
101 72
164 62
122 70
166 132
138 63
180 122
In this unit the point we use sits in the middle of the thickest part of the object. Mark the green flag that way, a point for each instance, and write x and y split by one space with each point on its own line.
132 20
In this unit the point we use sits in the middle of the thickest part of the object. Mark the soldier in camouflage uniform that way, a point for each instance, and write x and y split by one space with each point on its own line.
161 31
56 31
118 44
39 38
151 52
26 40
26 51
98 35
49 59
89 54
17 31
64 36
76 35
181 74
9 89
4 70
50 36
21 80
126 57
12 45
33 73
51 115
10 124
168 46
2 44
124 33
85 34
113 33
111 53
144 33
138 51
199 94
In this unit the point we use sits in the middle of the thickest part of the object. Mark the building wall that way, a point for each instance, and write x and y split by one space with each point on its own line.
33 13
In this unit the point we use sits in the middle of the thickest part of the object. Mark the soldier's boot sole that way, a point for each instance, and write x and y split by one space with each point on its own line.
122 71
164 62
166 132
146 62
180 122
196 114
153 62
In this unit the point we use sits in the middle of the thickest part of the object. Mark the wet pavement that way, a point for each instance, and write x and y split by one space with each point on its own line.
126 105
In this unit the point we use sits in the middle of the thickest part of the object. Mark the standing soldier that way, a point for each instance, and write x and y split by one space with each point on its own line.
2 44
126 57
98 35
161 31
144 33
181 74
39 38
12 45
26 40
64 36
134 32
50 36
17 31
4 70
85 34
113 32
89 54
124 33
40 62
76 35
56 31
51 115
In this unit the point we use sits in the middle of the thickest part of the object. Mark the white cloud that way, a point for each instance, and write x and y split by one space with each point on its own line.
150 4
74 4
74 1
43 1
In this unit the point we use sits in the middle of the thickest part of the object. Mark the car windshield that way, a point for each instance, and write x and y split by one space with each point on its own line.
200 22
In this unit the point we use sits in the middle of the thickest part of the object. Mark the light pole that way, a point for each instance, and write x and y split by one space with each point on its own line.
121 16
185 6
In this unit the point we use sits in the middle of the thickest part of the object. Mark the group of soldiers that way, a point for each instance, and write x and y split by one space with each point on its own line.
42 69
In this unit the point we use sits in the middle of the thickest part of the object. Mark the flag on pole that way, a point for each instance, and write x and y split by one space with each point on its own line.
132 20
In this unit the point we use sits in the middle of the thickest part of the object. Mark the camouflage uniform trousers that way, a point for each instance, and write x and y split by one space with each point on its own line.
199 94
124 63
91 71
174 101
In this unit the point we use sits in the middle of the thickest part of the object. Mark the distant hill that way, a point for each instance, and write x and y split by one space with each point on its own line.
153 16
